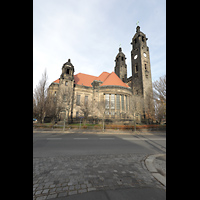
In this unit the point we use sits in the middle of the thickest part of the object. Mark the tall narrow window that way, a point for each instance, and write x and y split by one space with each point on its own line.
136 68
86 100
78 100
66 83
126 103
112 101
107 101
122 100
118 101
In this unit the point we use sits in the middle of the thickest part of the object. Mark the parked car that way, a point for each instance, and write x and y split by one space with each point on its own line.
34 120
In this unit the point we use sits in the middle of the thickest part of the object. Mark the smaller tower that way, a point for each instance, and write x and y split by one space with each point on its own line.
66 91
67 72
120 66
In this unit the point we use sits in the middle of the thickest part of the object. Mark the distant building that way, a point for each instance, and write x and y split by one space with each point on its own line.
110 95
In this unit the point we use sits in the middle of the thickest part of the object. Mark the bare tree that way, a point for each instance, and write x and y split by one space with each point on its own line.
86 109
159 95
51 105
135 109
64 103
159 89
39 96
99 110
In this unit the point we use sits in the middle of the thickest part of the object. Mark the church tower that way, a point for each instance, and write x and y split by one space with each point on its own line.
66 90
120 66
141 73
67 75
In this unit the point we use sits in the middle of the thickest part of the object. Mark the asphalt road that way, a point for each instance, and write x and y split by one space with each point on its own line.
62 144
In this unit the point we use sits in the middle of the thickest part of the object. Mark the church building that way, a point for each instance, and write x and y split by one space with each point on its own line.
112 96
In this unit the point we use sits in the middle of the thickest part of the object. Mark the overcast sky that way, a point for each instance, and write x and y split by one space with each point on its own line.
89 32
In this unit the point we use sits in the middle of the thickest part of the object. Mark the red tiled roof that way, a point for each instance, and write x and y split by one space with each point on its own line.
113 79
105 77
84 79
57 81
102 76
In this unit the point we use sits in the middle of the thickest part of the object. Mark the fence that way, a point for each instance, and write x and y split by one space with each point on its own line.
150 127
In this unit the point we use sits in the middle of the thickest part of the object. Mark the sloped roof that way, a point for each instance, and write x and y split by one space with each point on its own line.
57 81
84 79
113 79
105 77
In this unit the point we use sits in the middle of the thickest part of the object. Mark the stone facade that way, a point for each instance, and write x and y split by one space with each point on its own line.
111 96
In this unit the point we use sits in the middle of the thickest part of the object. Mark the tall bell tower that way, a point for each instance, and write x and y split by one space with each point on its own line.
141 73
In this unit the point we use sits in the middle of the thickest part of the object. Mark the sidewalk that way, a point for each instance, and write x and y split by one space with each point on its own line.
84 177
99 131
156 164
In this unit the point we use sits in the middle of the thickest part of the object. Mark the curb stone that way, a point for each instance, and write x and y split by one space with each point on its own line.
149 164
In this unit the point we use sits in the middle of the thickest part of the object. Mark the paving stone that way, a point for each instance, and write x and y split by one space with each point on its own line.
82 190
51 196
89 185
59 189
38 192
45 191
91 189
53 190
70 183
65 188
77 187
72 192
64 184
52 186
35 185
62 194
83 186
71 187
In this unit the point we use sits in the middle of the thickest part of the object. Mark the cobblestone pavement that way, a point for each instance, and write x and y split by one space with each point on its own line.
62 176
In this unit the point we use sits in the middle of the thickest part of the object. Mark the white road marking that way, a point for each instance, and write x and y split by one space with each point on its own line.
144 138
54 138
80 138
